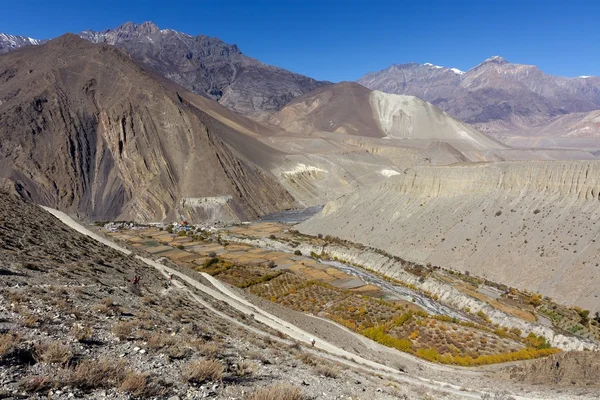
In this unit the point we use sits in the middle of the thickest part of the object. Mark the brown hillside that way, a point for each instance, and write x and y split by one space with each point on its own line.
85 129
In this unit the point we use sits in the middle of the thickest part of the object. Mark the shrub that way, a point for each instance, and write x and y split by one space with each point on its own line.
37 384
81 333
298 253
95 374
327 371
202 371
378 334
160 340
181 247
272 237
271 264
122 330
8 342
138 385
212 254
245 368
210 262
535 300
281 391
208 349
181 233
53 353
306 358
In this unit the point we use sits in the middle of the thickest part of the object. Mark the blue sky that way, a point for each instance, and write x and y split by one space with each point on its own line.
343 40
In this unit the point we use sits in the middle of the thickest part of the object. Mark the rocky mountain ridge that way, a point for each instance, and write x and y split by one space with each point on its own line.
205 66
496 96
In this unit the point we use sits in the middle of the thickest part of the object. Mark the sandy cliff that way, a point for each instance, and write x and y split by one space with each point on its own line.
531 225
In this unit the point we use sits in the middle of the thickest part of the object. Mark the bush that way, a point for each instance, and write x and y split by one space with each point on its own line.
53 353
281 391
272 237
8 342
298 253
271 264
211 261
212 254
208 349
96 374
181 233
37 384
81 333
122 330
138 385
202 371
378 334
245 368
181 247
327 371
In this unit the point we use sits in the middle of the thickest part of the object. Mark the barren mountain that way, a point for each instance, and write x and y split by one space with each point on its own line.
496 96
202 64
350 108
85 129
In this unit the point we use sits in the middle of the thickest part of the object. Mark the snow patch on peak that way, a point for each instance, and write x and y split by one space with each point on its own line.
584 76
497 59
432 66
457 71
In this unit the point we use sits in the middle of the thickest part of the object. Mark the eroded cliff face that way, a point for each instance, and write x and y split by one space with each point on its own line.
532 225
86 130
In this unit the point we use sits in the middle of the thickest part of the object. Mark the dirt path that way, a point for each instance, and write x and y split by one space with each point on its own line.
222 293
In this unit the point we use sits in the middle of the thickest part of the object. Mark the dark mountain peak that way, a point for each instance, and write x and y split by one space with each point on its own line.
404 66
145 28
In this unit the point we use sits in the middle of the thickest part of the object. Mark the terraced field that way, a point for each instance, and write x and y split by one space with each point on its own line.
302 283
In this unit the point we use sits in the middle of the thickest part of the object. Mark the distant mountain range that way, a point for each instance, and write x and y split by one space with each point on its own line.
496 96
12 42
202 64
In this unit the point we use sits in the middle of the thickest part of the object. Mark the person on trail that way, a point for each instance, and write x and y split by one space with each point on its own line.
135 280
170 279
312 342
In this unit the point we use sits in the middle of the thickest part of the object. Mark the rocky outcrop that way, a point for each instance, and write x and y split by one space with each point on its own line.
209 67
531 225
86 130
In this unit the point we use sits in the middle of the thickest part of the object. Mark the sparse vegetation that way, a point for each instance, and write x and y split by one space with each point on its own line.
53 353
200 371
277 392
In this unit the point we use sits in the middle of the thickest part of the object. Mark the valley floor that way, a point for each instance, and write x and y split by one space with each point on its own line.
341 341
